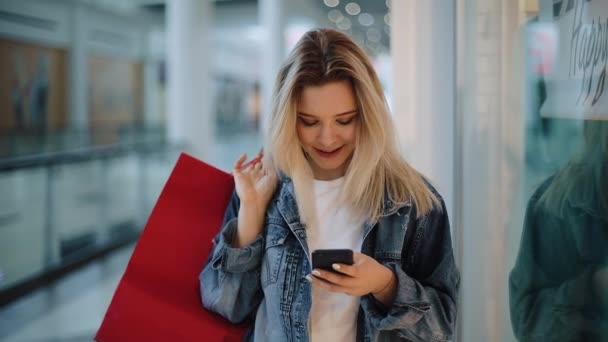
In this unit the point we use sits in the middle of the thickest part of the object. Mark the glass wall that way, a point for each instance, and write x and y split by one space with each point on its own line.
533 149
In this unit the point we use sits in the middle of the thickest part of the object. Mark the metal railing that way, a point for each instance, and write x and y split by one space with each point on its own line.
61 208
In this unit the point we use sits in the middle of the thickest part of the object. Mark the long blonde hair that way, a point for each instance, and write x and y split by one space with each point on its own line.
376 170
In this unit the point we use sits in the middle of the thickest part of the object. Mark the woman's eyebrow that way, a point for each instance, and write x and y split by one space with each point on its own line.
336 115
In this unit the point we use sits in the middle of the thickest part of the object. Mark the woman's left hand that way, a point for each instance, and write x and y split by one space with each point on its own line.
365 276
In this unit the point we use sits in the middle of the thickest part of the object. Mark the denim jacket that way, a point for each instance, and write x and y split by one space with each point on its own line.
265 280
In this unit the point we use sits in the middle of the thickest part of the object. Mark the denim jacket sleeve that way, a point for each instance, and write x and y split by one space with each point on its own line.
424 308
230 281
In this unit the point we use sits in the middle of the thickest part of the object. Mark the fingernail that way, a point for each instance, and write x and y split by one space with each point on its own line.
317 273
335 266
309 278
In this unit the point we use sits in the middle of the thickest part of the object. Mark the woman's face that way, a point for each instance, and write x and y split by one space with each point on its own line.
327 124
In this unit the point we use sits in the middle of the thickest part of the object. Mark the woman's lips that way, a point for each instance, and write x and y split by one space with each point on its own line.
330 154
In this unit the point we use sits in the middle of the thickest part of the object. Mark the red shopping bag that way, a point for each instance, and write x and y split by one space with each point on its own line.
158 297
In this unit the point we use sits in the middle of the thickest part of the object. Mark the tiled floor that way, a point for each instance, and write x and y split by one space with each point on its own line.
69 310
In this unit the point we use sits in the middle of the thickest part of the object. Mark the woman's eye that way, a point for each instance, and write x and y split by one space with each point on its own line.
346 122
309 123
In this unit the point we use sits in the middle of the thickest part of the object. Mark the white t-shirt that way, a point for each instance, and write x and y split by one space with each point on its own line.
333 315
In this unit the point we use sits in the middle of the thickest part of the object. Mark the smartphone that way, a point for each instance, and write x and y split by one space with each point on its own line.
324 258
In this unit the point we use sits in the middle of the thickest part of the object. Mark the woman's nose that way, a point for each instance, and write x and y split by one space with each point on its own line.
327 137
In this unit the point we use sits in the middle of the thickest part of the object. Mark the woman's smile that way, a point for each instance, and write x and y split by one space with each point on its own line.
328 153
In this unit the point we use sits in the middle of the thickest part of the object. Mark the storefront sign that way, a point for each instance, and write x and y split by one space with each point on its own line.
573 57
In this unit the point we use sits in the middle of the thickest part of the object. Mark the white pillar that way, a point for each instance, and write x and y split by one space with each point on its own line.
491 157
190 117
272 21
79 70
423 55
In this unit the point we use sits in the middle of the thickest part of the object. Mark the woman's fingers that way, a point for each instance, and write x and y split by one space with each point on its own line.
254 176
239 163
345 269
332 277
258 166
254 172
252 162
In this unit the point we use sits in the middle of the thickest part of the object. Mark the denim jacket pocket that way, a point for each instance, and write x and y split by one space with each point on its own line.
273 254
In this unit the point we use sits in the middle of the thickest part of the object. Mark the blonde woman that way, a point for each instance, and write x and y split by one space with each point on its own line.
331 177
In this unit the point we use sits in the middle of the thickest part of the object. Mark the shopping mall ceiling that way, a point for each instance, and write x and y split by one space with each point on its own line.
366 20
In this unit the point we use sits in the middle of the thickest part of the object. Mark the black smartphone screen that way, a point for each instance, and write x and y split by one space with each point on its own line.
324 258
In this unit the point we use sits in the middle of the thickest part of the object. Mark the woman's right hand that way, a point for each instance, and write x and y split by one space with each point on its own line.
255 186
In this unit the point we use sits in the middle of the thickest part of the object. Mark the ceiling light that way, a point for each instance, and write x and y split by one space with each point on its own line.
366 19
344 24
335 15
352 8
331 3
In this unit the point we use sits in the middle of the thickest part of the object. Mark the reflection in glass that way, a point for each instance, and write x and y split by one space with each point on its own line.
559 286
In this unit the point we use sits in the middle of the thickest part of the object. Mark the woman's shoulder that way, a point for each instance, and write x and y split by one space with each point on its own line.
409 207
432 189
283 189
438 208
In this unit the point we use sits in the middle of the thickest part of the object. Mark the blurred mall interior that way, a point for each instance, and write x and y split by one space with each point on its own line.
98 98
